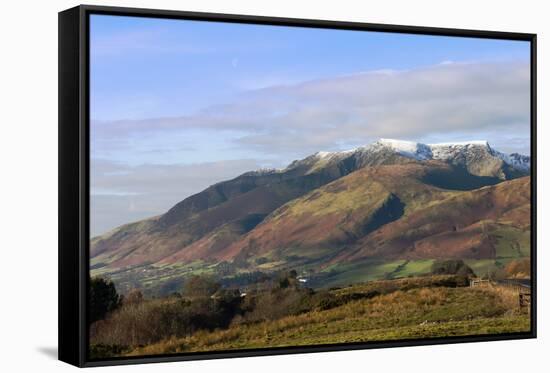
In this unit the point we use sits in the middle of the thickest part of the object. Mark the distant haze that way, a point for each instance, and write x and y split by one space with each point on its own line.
177 106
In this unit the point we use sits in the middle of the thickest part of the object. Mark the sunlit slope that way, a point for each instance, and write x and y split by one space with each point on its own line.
393 212
220 214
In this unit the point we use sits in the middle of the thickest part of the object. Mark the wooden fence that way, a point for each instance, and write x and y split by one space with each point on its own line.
479 283
523 290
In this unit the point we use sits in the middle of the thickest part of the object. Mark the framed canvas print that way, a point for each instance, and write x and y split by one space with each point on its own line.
238 185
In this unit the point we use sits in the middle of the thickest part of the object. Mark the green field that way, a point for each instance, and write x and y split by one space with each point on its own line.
346 274
163 280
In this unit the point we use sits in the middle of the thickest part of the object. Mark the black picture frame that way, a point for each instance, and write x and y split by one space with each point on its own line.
74 165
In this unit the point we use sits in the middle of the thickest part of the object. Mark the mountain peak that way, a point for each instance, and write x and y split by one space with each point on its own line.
449 151
413 145
460 152
325 154
463 143
421 151
410 149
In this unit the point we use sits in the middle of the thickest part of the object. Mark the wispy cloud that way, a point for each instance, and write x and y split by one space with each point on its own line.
447 101
141 168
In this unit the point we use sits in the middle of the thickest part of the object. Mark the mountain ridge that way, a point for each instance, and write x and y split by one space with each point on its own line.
477 156
352 197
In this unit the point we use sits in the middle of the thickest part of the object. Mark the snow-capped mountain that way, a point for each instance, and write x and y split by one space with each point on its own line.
343 202
519 161
478 157
409 149
455 151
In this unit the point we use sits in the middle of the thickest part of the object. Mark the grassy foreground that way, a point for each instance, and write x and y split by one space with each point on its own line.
416 312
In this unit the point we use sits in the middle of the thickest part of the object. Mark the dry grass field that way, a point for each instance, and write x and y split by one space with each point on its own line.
419 311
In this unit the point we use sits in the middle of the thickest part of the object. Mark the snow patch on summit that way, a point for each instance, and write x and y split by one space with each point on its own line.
328 155
445 151
449 150
411 149
461 143
519 161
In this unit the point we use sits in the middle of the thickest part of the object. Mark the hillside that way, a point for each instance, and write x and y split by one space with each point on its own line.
417 312
336 212
389 212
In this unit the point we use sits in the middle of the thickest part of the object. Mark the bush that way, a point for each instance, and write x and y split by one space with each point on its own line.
149 321
273 304
103 298
284 298
451 267
204 306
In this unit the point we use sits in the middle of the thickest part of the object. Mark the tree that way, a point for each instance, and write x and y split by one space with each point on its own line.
200 286
451 267
103 298
288 279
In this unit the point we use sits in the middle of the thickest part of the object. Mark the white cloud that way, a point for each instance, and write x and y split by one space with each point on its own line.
446 102
458 99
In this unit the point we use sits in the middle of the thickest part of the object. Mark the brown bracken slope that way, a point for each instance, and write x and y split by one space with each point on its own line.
333 213
389 212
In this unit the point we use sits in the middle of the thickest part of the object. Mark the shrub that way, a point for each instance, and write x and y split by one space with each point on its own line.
150 321
142 323
277 302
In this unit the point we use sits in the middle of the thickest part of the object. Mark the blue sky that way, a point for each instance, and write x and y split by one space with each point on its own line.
158 67
190 103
